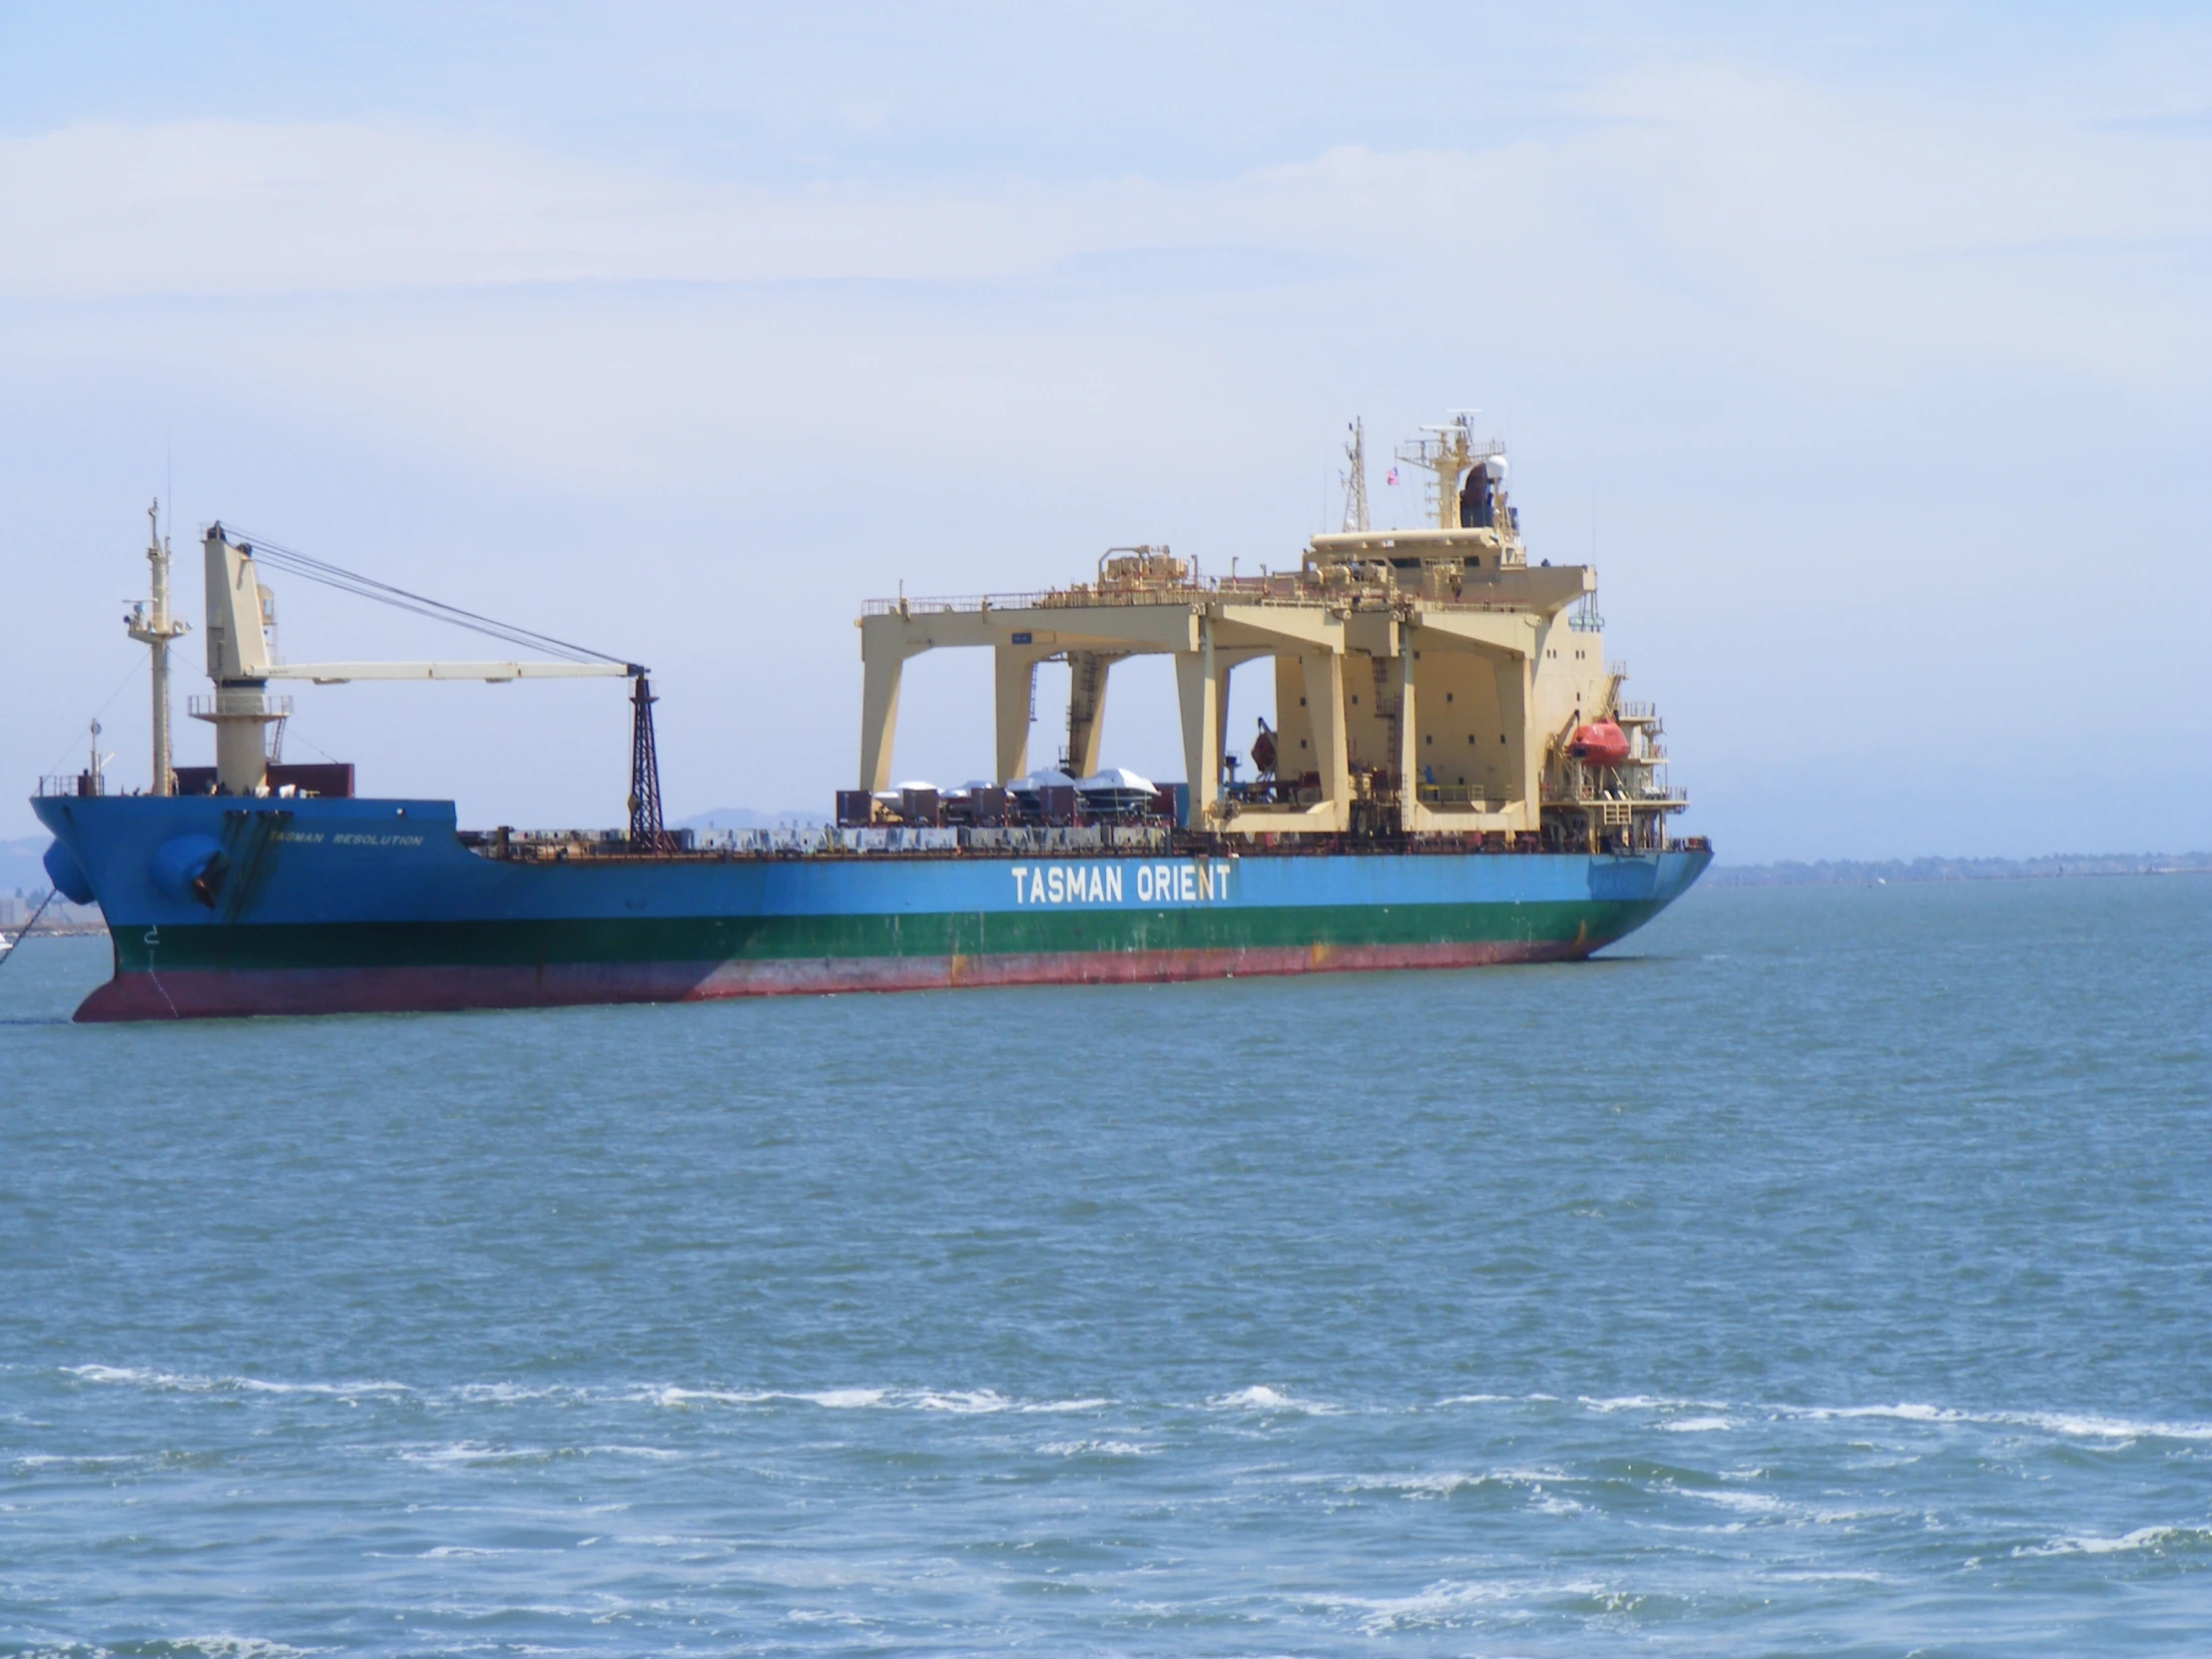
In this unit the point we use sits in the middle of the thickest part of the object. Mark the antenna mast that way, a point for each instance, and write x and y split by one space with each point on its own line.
1355 480
151 625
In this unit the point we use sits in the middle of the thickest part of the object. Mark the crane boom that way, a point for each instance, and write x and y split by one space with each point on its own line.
338 673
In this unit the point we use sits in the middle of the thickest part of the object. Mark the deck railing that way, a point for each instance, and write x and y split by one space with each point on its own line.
1066 599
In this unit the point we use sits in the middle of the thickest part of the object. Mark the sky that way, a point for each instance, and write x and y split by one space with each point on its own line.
1863 350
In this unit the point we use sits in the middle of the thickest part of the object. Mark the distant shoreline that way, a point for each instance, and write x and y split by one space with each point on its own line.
1866 872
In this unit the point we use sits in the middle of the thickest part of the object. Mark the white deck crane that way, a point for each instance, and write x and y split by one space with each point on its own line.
241 660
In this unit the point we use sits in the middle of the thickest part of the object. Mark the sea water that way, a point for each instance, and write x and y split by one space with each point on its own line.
1824 1270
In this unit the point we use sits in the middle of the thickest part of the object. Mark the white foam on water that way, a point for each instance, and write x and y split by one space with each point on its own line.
1531 1477
91 1460
469 1452
461 1552
1757 1503
2143 1537
133 1374
1428 1486
1697 1425
968 1401
1836 1577
677 1398
1451 1601
1442 1483
188 1382
1903 1412
503 1393
240 1647
2087 1425
1095 1448
1261 1397
1651 1402
1478 1399
255 1384
657 1453
960 1400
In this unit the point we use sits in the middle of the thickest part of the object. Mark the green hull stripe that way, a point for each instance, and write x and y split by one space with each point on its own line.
795 938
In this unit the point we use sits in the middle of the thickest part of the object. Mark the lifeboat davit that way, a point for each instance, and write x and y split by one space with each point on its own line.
1599 743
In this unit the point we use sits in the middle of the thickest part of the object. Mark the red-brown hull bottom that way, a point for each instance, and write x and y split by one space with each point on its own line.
202 993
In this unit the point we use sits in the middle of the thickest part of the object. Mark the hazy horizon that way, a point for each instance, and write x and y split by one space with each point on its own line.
1866 347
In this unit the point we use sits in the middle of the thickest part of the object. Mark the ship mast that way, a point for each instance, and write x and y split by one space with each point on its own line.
1355 480
1446 452
151 626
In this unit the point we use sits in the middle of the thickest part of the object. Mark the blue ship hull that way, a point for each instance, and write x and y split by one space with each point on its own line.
219 906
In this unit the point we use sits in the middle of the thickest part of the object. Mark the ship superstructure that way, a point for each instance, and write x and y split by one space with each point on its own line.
1453 778
1428 682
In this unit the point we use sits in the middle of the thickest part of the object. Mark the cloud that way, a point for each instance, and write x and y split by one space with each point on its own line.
1690 191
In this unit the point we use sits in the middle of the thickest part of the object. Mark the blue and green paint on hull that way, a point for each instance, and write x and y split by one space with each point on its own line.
376 906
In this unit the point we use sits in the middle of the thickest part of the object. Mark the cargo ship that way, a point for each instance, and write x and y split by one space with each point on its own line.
1452 777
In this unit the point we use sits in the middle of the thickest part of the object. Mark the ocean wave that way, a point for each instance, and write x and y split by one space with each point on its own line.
1755 1504
2093 1426
1095 1448
1261 1397
1449 1601
504 1394
967 1400
1651 1402
90 1462
1438 1483
188 1382
1696 1425
963 1401
2158 1538
198 1647
462 1454
840 1400
2072 1425
677 1398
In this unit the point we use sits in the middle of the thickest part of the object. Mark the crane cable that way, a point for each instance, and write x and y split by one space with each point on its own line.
16 943
289 560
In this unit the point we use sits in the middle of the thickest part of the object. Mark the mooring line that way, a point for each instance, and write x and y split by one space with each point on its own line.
17 945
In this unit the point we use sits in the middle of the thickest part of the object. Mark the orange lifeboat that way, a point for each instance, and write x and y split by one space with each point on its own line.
1599 743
